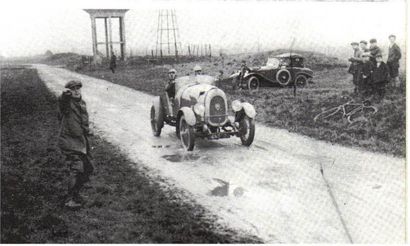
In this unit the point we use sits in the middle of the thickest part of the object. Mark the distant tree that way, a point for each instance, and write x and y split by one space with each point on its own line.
48 53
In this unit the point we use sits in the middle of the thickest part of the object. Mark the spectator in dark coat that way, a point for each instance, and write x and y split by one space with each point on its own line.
356 62
73 140
379 77
393 60
374 50
244 69
365 75
113 62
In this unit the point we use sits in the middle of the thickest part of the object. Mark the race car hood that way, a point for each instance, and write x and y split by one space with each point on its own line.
190 88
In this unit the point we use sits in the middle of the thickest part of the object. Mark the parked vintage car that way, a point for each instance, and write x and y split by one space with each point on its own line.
282 70
200 109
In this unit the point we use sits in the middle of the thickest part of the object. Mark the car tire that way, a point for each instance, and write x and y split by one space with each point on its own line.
301 80
186 134
253 83
156 124
283 77
247 130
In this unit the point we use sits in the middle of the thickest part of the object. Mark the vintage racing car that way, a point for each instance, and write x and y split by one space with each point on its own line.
283 70
200 109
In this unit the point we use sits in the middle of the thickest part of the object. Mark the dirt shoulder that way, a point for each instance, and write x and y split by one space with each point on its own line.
123 204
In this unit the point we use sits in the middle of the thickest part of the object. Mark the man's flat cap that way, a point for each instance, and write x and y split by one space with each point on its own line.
363 42
392 36
379 55
354 43
373 40
73 83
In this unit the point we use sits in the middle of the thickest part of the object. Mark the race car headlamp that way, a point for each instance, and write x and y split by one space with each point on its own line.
236 105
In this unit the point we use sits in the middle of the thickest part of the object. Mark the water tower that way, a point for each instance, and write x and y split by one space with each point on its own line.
105 20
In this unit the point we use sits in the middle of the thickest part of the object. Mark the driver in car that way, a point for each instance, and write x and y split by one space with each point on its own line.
170 89
197 70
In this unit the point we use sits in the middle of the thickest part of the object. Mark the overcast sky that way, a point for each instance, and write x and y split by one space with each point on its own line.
32 28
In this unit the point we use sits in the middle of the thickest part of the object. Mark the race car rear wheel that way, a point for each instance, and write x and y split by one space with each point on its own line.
156 124
253 83
187 134
247 130
283 77
301 80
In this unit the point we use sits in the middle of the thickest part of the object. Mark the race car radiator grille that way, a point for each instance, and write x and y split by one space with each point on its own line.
217 110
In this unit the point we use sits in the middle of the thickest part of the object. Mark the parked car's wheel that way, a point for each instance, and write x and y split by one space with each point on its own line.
156 124
247 130
301 80
187 134
253 83
283 77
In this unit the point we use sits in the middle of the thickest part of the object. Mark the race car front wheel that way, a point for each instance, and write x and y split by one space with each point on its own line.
247 130
186 134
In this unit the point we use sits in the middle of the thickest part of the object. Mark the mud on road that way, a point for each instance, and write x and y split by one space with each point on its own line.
284 188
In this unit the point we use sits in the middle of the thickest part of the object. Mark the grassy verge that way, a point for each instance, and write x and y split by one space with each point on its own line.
123 204
382 132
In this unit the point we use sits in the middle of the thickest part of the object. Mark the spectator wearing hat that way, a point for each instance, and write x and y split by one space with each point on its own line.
374 50
113 62
379 77
244 69
73 141
393 59
356 61
363 46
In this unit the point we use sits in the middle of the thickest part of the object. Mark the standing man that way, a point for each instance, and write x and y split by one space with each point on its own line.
356 61
379 77
374 51
393 60
219 78
244 69
113 62
365 75
73 142
363 46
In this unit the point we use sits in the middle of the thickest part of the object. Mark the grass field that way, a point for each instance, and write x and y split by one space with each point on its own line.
123 204
382 132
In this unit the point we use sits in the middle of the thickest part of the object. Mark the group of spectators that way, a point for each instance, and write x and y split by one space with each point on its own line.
370 73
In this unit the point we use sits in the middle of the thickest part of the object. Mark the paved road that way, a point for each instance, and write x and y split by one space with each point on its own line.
284 188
